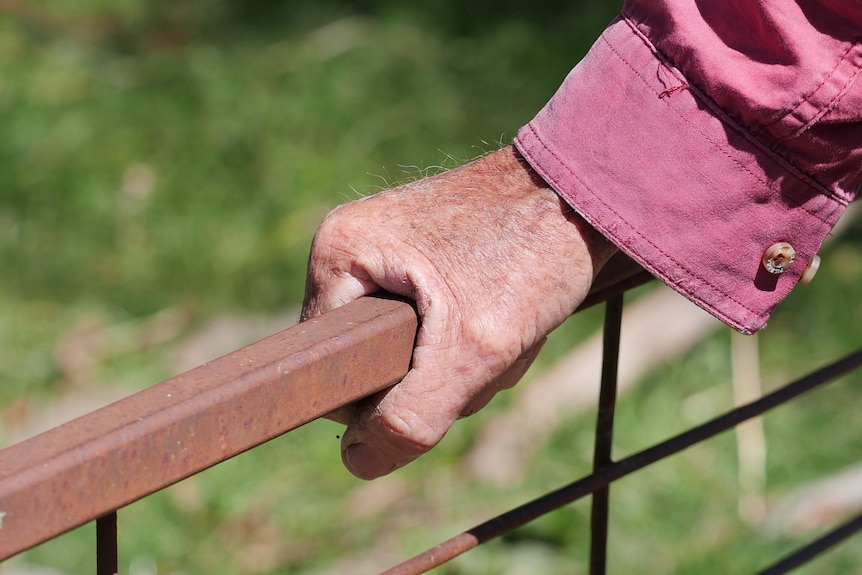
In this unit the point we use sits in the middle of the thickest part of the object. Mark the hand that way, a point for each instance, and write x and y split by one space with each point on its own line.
494 261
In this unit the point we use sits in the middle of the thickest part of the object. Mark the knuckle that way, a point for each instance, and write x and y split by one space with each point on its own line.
410 434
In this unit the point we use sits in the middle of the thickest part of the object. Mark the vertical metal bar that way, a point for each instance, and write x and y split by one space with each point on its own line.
107 560
605 433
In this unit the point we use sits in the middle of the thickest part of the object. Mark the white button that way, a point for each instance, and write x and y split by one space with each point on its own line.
810 271
779 257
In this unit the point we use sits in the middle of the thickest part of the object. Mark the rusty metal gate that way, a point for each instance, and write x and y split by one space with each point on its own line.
85 470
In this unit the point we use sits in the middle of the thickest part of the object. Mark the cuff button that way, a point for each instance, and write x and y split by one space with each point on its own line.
778 258
810 271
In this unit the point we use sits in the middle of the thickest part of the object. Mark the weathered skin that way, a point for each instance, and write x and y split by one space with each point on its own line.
494 261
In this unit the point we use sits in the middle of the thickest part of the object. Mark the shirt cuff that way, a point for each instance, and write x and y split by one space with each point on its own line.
674 182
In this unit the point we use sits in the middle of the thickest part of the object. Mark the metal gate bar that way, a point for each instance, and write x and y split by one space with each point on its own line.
805 554
523 514
107 558
89 467
605 433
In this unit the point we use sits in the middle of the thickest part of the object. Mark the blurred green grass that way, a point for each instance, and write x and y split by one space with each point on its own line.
179 155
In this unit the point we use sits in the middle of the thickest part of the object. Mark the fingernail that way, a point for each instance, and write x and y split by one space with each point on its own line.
364 463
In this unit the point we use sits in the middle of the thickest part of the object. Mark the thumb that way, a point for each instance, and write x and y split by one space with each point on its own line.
394 427
398 425
336 292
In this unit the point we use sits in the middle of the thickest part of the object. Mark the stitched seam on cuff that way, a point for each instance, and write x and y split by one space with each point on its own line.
825 109
634 231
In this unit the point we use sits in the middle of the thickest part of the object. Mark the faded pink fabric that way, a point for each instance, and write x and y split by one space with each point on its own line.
695 134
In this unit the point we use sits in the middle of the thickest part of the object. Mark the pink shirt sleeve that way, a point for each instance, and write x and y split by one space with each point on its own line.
697 134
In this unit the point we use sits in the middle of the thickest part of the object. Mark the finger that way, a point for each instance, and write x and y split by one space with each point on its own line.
505 381
333 293
343 415
395 427
400 424
348 414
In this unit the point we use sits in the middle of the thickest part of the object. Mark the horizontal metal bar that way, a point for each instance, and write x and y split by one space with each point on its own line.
93 465
523 514
815 548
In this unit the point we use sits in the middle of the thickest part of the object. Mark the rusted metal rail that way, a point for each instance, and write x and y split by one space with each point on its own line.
96 464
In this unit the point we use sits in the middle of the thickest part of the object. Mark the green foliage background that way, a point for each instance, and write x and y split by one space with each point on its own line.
170 155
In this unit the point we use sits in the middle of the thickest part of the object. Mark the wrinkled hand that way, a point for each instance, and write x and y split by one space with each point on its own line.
494 261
